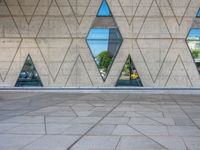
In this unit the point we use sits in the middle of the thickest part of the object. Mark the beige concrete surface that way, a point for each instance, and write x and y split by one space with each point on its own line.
64 121
53 32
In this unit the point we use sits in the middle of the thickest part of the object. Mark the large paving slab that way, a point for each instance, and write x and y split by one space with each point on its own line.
75 121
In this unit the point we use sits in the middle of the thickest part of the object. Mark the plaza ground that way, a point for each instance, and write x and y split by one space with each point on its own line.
75 121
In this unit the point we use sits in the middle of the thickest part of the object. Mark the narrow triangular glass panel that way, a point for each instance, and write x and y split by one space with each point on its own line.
193 41
198 14
104 10
129 75
28 76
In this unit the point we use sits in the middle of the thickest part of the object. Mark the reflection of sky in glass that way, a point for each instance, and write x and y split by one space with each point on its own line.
98 46
104 9
98 40
194 33
98 33
198 14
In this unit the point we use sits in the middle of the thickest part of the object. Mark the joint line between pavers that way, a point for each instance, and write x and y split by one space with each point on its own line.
149 137
185 112
69 148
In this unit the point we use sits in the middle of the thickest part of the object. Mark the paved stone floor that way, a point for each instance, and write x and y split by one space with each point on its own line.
61 121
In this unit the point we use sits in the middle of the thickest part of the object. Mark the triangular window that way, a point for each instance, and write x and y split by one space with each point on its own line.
193 41
198 14
104 10
28 76
129 75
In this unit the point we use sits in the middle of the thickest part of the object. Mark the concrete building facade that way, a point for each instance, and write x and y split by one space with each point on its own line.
53 33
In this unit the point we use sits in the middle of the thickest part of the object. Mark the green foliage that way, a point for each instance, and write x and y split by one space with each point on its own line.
126 69
28 65
195 53
129 64
103 60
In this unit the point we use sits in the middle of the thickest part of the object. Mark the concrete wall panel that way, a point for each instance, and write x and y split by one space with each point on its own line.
53 33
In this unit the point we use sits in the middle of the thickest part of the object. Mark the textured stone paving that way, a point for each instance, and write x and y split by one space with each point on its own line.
44 121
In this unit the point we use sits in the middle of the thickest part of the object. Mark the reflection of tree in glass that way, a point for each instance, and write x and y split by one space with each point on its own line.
129 69
195 53
103 60
28 65
128 66
129 75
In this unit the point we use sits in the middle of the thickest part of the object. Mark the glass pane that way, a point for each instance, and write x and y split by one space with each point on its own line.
129 75
98 33
98 46
114 33
104 10
104 44
104 41
195 50
193 41
28 76
198 14
194 34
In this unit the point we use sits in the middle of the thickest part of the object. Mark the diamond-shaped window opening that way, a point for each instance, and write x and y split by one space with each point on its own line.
28 76
129 75
104 40
193 41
